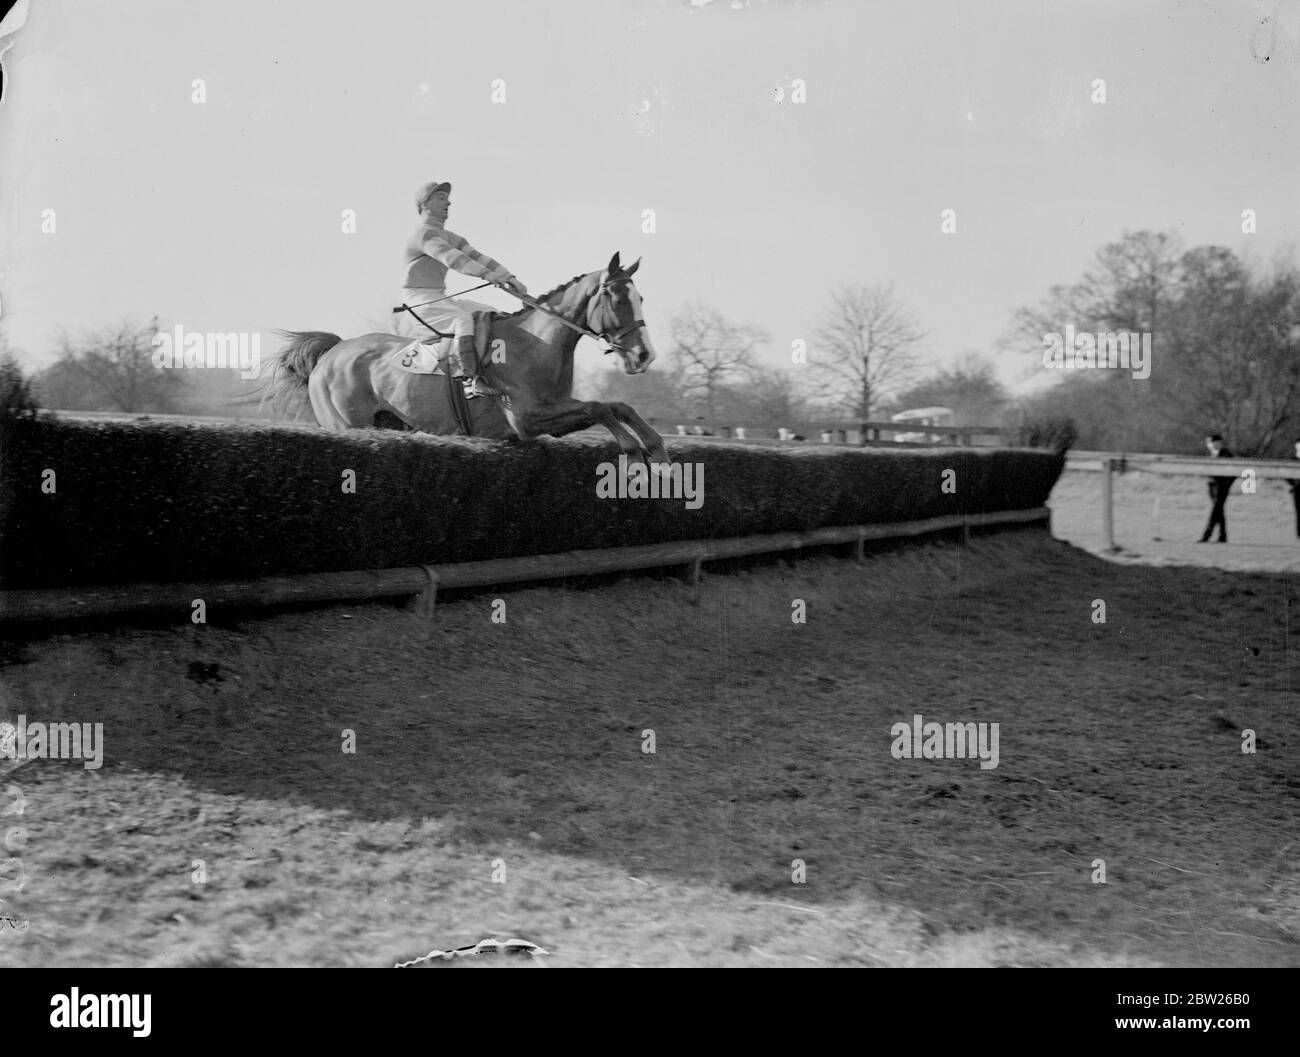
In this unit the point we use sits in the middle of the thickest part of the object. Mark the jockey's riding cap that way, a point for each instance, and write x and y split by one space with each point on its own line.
427 191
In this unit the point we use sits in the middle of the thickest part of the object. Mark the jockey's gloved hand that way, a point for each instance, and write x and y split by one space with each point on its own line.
514 286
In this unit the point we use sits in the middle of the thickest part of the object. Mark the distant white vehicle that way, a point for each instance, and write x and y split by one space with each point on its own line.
923 416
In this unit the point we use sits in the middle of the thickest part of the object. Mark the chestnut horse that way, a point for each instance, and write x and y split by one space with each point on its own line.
528 368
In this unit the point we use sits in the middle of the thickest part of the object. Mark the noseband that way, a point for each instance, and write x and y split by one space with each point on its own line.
613 343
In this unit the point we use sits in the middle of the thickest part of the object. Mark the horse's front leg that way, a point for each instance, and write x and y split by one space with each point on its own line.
650 439
569 417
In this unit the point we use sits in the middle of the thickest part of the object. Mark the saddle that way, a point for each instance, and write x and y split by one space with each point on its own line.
429 355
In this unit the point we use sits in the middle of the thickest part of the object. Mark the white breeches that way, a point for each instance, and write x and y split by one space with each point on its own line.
453 316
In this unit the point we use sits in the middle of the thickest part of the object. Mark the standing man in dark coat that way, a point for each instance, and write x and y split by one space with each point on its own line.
1219 488
1295 489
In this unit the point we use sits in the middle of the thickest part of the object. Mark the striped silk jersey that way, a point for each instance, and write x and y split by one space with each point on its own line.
432 250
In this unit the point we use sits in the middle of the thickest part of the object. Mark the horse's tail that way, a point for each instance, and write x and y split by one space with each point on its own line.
290 368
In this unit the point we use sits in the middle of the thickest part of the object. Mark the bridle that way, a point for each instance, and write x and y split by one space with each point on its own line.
614 343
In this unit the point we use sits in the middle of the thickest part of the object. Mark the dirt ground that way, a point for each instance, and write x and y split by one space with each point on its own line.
500 788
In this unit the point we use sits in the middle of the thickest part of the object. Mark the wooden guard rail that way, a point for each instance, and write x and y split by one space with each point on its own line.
858 433
422 582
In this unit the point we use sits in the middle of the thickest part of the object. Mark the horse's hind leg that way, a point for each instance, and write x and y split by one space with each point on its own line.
339 408
342 398
326 413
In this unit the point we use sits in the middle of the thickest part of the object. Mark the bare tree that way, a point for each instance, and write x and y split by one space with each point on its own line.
1231 360
63 384
1225 341
116 366
1131 285
710 352
776 396
970 388
867 341
1134 284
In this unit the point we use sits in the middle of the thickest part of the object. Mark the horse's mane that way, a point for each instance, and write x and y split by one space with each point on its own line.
545 298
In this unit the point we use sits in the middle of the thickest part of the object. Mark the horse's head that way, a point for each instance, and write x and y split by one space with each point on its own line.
615 314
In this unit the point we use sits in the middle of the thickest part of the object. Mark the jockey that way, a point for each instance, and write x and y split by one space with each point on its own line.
430 251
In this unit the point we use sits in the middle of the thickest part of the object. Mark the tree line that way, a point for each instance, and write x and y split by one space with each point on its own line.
866 360
1225 355
1225 339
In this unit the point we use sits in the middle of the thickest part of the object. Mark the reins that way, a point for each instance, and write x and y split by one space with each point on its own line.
588 332
411 308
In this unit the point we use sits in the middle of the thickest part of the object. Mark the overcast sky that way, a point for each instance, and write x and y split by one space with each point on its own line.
225 215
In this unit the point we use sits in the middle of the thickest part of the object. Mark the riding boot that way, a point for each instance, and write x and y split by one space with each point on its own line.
461 357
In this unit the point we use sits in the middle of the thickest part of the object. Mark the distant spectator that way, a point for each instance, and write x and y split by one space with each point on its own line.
1219 488
1295 490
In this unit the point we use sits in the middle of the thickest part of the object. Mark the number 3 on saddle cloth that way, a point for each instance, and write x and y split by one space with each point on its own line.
429 355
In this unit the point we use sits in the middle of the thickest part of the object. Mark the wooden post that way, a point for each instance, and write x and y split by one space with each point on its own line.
691 571
423 603
1107 511
858 555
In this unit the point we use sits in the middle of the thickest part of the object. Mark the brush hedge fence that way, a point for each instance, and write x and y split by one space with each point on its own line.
86 503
